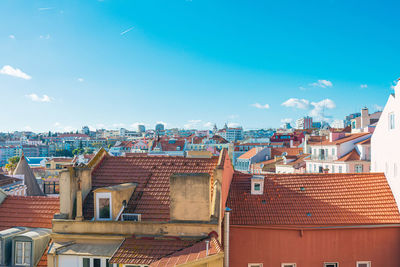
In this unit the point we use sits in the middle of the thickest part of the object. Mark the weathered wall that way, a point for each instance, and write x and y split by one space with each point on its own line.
272 247
190 195
129 228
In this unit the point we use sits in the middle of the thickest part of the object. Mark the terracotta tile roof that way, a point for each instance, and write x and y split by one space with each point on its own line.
346 138
190 254
313 199
278 151
147 250
249 154
170 145
151 173
23 211
43 260
365 142
219 139
351 156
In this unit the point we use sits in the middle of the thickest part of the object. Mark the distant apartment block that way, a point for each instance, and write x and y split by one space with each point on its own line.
304 123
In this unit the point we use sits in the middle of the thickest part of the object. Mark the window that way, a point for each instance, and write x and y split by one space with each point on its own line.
86 262
363 264
333 152
333 168
23 253
391 121
255 265
96 263
288 265
331 264
103 206
257 186
340 169
359 168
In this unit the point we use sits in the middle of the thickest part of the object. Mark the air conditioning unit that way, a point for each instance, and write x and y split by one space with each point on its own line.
132 217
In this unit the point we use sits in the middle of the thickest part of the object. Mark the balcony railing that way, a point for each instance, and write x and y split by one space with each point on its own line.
323 158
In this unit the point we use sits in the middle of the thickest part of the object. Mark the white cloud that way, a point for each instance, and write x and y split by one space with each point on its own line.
46 36
11 36
322 83
28 128
81 80
318 112
59 127
118 125
316 109
233 124
208 125
260 106
8 70
287 120
233 116
364 86
36 98
192 124
377 107
297 103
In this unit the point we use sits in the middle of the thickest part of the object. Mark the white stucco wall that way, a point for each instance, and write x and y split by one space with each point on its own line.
385 145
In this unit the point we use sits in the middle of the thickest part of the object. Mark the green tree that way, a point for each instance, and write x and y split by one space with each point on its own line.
12 163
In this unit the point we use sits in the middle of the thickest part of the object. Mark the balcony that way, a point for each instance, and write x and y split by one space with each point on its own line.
323 158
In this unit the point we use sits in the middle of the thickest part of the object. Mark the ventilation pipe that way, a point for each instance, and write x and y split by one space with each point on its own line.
226 237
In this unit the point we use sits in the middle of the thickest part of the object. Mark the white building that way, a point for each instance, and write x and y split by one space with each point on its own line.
341 153
385 143
304 123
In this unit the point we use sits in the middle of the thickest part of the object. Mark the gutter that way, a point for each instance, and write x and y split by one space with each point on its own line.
279 227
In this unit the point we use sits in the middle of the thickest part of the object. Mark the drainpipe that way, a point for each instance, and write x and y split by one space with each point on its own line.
226 237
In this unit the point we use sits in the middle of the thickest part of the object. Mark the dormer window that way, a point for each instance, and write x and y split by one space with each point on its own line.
257 185
103 206
23 253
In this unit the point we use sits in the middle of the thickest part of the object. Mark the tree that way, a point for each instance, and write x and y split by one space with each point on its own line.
12 163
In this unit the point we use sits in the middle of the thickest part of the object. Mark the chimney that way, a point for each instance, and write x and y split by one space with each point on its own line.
226 237
364 118
257 185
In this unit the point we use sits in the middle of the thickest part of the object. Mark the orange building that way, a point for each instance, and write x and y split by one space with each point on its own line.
313 220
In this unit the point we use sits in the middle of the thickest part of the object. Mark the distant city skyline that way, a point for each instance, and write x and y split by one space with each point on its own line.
190 64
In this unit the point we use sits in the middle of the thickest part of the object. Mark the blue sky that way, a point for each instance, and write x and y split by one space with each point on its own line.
116 63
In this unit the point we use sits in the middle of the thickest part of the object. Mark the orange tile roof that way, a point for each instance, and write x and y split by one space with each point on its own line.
249 154
23 211
43 260
190 254
351 156
148 250
346 138
151 173
313 199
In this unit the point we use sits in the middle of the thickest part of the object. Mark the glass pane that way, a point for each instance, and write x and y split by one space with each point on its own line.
108 264
104 208
27 252
86 262
96 262
18 254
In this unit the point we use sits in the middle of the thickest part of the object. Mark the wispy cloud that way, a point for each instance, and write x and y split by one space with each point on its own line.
37 98
377 107
8 70
322 84
364 86
45 8
81 80
233 124
11 36
127 30
192 124
260 106
46 36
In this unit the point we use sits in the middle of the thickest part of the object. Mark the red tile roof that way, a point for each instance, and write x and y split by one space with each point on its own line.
170 145
147 250
313 199
23 211
151 197
190 254
351 156
43 260
346 138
